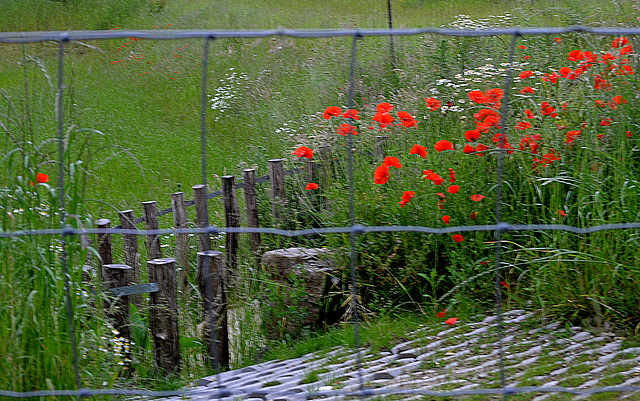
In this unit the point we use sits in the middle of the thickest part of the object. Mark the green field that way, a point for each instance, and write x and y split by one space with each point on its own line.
132 126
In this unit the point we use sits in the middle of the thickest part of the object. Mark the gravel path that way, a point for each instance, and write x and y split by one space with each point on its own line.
442 358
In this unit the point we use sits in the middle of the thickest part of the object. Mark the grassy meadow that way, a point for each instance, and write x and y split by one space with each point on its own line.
132 125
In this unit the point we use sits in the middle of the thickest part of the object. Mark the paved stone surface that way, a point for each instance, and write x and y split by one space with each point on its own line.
442 358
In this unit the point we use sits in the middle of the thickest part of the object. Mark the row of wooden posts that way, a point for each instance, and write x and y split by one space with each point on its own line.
121 281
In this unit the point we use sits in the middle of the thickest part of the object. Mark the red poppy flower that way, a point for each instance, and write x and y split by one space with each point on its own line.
480 148
453 189
457 237
477 198
431 176
311 186
557 40
303 151
472 135
528 113
384 107
618 42
452 176
553 78
571 136
418 150
575 55
441 314
407 119
605 122
345 129
451 321
381 175
527 89
443 145
433 104
523 125
441 195
351 113
383 118
505 285
446 219
406 197
525 74
468 149
41 178
522 47
629 134
476 96
562 213
473 215
547 110
331 111
391 161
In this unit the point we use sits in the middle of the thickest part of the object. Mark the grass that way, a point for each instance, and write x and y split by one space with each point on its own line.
132 114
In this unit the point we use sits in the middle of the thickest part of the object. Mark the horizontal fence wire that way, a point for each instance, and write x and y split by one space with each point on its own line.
354 229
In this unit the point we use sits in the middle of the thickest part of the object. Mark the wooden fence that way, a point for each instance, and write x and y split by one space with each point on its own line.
122 281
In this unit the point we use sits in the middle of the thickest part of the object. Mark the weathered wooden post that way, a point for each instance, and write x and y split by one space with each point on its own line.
251 204
182 240
163 315
232 219
117 307
104 245
211 280
151 223
202 216
326 164
276 177
381 143
131 255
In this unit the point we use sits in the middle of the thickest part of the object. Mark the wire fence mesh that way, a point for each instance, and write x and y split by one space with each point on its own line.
354 230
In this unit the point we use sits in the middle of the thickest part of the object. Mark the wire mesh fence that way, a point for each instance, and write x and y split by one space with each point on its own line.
354 230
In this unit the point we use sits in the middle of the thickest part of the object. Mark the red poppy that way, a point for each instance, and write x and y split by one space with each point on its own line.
452 176
477 198
451 321
571 136
562 213
441 195
41 178
381 175
527 89
443 145
523 125
430 175
383 118
525 74
303 151
629 134
441 314
311 186
618 42
453 189
557 40
472 135
432 103
345 129
505 285
457 237
391 161
522 47
547 110
351 113
468 149
331 111
605 122
473 215
406 197
528 113
407 119
384 107
446 219
480 148
418 150
575 55
476 96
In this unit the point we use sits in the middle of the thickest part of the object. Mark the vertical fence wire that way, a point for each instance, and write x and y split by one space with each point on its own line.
352 214
499 184
62 210
203 112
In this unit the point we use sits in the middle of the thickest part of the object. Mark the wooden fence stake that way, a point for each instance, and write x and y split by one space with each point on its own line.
104 245
163 315
326 164
202 215
276 177
211 280
232 219
251 203
117 307
182 240
131 255
151 223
